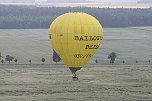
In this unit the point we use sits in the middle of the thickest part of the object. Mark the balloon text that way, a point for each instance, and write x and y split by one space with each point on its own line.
88 38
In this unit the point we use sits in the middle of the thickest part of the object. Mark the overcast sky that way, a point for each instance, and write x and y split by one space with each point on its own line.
72 0
116 0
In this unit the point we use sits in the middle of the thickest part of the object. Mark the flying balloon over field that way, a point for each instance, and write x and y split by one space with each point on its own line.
75 37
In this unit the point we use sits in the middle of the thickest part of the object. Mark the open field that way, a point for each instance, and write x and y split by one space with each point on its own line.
96 83
130 44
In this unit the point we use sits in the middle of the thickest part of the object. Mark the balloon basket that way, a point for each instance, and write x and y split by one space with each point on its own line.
73 71
74 77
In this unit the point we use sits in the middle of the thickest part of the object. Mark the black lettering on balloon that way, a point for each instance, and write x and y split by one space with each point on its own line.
76 38
87 47
78 56
88 38
81 38
92 46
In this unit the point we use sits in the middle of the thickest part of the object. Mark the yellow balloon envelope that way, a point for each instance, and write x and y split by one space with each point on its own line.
76 37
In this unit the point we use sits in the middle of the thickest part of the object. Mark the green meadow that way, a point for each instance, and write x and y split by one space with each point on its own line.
130 44
97 82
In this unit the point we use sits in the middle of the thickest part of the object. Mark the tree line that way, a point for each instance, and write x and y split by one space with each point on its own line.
112 58
10 58
41 17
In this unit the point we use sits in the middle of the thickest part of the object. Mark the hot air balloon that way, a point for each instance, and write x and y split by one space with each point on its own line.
75 36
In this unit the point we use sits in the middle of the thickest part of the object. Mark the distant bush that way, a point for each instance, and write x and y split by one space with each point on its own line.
112 56
9 58
30 61
43 60
96 61
149 61
2 61
1 56
15 60
123 61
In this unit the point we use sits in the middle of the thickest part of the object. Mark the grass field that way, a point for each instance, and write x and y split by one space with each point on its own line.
96 83
130 44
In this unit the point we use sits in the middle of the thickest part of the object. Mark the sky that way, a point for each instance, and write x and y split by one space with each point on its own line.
70 0
115 0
